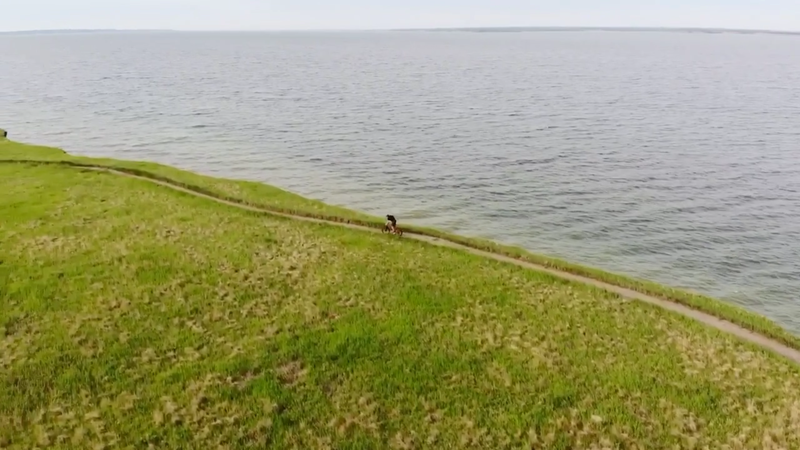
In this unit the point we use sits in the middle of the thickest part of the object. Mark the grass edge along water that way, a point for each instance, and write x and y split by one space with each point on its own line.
271 198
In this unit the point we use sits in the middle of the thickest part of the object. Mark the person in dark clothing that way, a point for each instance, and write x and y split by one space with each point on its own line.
391 223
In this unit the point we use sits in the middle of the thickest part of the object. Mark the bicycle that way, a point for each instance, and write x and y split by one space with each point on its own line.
397 231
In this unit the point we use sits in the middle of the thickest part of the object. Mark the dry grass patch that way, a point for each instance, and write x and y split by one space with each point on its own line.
162 320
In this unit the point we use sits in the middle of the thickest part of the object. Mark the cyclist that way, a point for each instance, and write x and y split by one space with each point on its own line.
391 223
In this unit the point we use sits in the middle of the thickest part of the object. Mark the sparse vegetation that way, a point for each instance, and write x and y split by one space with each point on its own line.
133 316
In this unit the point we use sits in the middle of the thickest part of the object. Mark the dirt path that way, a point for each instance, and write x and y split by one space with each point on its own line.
705 318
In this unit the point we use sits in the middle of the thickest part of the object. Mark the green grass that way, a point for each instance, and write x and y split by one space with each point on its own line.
133 316
269 197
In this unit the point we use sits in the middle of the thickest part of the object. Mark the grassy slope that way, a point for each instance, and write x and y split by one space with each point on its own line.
273 198
133 315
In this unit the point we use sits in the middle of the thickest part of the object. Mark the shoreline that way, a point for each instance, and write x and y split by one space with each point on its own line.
251 195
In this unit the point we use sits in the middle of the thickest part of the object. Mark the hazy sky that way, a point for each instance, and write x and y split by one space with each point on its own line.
377 14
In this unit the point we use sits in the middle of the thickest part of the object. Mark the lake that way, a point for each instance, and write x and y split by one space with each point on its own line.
673 157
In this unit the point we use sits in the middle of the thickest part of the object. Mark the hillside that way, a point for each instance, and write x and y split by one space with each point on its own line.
135 315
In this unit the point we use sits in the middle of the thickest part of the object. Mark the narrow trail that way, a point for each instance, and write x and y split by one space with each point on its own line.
707 319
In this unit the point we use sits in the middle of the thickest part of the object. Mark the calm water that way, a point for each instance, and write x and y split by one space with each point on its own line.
668 156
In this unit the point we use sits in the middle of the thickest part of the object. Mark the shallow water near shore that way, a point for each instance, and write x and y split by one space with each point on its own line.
668 156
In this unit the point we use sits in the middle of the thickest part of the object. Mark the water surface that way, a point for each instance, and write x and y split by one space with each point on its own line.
668 156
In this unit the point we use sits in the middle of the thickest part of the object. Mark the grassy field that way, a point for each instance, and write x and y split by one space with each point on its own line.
133 316
270 197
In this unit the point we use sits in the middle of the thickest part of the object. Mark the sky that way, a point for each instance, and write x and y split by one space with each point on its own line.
16 15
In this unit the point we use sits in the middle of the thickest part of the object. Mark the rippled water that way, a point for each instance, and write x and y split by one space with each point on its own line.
668 156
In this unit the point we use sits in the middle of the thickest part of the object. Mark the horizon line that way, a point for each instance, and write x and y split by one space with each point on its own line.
466 29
